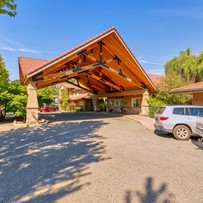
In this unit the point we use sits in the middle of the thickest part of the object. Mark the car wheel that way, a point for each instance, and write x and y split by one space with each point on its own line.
182 132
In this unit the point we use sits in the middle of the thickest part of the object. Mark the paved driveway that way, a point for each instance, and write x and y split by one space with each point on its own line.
98 158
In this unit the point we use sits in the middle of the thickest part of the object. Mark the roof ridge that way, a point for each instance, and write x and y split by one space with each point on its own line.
32 58
74 48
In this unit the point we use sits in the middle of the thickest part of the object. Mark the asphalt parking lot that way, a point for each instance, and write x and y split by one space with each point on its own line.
82 157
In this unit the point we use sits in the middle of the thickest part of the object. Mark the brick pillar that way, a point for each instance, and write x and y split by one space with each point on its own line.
144 104
32 105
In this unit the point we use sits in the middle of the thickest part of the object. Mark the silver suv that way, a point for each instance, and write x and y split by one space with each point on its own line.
179 120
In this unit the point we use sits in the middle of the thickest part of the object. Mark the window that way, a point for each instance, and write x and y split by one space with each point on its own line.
178 111
187 112
121 102
81 103
161 110
135 102
116 102
196 111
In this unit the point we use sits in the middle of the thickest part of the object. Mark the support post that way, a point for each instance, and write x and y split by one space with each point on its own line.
32 105
95 103
144 104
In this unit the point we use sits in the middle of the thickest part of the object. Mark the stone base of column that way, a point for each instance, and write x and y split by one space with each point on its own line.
144 111
32 117
144 104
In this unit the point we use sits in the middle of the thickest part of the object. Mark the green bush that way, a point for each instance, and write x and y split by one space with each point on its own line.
154 105
102 106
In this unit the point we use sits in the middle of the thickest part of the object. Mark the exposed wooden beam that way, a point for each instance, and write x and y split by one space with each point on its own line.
93 90
93 82
122 76
42 84
125 93
89 90
105 82
69 73
110 52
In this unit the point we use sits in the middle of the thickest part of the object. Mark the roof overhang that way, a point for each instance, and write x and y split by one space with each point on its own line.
104 63
187 91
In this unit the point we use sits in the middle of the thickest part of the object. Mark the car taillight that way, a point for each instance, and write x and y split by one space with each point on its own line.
163 118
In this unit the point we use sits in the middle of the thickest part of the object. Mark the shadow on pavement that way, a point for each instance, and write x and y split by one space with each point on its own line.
163 134
196 141
150 194
74 116
45 164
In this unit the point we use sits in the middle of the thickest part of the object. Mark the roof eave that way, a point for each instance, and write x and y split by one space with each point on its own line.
187 91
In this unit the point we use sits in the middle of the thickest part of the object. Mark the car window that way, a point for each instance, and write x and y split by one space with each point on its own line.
196 111
161 110
187 112
178 111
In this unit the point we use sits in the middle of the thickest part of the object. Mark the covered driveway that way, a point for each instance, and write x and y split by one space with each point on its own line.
103 65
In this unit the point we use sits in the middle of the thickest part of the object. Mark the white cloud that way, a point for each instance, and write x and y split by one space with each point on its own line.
14 46
14 43
149 62
18 49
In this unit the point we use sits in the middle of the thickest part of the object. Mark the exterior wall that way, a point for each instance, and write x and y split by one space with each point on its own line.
124 104
84 104
197 99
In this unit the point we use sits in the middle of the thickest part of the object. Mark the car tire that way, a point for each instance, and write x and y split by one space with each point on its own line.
182 132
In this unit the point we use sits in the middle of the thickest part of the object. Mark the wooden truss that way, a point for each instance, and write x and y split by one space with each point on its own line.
97 70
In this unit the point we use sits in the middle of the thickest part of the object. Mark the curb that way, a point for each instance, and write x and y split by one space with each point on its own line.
150 128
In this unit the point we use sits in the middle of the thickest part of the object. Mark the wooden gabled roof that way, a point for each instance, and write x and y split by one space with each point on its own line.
103 63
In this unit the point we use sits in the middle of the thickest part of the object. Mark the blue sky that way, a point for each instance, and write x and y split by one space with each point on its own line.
155 30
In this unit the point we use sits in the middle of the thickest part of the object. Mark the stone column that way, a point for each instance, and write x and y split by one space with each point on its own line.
32 105
144 104
95 103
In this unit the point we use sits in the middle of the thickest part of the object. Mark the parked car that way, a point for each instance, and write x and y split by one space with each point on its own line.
179 120
47 108
199 126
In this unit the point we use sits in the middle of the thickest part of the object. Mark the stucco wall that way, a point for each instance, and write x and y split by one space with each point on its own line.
126 104
197 99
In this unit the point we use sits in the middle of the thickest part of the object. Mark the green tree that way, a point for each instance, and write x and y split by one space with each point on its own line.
16 98
13 95
3 73
46 94
170 82
187 65
64 99
4 82
8 7
163 95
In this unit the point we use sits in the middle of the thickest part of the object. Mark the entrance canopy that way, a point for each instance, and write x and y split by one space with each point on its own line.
102 64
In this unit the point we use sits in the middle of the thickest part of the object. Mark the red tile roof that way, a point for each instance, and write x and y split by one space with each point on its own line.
27 64
156 79
192 88
81 96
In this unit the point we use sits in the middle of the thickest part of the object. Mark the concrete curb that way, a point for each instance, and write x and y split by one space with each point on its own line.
145 121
